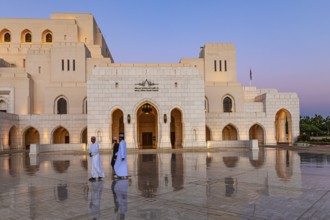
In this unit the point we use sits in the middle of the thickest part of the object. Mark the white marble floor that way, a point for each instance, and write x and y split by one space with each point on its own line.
268 184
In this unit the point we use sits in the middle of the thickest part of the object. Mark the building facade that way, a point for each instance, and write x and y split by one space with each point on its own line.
59 84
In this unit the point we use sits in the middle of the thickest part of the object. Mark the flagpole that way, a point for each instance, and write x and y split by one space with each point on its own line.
250 77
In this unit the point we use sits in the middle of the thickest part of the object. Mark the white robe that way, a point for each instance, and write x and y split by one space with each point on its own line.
121 165
95 203
121 189
97 170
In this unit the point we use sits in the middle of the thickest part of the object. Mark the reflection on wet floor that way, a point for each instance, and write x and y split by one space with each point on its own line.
269 183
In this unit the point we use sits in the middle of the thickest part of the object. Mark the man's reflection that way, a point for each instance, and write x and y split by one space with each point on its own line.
119 189
95 203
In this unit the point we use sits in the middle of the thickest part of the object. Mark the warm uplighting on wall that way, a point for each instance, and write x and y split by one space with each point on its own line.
6 139
45 137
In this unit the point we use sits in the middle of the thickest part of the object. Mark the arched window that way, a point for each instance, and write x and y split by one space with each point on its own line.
61 106
7 37
227 105
28 38
49 38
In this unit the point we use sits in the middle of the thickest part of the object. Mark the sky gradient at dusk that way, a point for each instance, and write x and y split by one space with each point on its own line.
285 43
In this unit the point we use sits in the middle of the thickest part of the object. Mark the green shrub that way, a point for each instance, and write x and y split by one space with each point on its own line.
303 138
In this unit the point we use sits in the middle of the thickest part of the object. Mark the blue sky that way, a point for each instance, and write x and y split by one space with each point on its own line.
285 42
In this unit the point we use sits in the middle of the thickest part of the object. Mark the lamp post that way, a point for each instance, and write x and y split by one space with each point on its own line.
147 108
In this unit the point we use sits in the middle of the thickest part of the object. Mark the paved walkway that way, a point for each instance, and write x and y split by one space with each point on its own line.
269 184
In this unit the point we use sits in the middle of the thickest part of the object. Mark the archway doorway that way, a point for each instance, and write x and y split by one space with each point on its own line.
84 137
147 126
283 125
257 132
61 136
207 133
31 136
229 133
117 123
13 138
176 128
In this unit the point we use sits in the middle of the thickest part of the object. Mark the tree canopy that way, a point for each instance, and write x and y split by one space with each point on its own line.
315 126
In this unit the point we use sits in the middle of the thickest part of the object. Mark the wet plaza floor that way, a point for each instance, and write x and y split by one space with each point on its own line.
264 184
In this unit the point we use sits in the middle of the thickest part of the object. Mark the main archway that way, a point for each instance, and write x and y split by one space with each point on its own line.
117 123
147 126
176 128
283 124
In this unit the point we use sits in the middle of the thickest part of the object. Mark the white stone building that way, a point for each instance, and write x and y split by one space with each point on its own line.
59 85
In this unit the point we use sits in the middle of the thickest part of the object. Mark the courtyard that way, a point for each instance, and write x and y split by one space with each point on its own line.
271 183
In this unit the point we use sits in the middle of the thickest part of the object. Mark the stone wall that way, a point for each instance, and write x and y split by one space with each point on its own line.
45 125
262 113
121 88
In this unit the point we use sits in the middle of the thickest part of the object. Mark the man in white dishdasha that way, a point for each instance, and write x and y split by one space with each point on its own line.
94 153
121 161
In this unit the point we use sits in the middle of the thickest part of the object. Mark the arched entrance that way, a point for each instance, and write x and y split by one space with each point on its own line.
283 125
176 128
31 136
147 126
229 133
13 138
117 123
61 136
207 133
84 136
257 132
